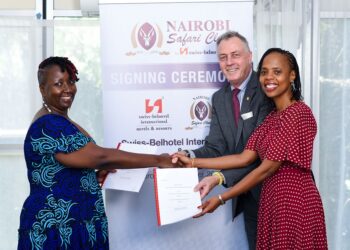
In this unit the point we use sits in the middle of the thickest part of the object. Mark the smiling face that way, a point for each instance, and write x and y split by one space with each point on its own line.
57 89
235 60
276 76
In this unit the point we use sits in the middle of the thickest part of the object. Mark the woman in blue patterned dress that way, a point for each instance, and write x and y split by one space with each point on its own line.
64 209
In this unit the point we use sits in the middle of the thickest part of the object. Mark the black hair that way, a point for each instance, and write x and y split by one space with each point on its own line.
296 91
230 34
63 62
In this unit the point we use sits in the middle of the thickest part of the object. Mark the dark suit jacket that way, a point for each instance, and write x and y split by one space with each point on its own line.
224 138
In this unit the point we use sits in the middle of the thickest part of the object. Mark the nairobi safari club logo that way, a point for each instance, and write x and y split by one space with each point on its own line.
146 36
200 112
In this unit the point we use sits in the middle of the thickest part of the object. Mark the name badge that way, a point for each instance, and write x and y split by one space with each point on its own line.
248 115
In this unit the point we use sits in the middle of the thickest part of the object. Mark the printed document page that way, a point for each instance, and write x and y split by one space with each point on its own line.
129 179
175 198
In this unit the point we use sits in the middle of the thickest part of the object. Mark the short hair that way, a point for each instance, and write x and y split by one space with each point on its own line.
293 65
63 62
230 34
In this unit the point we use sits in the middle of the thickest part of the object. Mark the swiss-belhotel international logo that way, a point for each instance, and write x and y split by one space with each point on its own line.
146 37
200 112
153 117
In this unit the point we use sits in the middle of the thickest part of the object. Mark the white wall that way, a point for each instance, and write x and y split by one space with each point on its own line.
17 5
334 5
30 4
67 4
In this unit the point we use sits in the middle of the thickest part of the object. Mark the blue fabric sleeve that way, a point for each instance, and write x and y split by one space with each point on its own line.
52 134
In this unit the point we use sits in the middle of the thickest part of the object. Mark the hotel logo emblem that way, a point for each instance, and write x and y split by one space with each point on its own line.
156 104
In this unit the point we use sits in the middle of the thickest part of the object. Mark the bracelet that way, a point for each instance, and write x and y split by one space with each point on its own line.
221 178
187 153
221 199
192 162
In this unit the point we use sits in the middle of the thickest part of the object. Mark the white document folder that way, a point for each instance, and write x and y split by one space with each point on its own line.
129 179
175 198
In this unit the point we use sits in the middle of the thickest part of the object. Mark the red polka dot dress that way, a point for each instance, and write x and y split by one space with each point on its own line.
290 209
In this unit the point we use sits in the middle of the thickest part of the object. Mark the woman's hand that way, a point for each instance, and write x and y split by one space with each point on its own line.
208 206
101 175
182 161
206 185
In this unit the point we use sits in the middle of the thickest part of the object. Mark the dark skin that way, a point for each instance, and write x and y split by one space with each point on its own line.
58 91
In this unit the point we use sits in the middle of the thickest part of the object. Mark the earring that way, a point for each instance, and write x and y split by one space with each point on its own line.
292 84
46 107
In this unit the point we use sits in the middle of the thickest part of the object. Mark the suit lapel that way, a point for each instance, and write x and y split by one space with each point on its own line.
246 107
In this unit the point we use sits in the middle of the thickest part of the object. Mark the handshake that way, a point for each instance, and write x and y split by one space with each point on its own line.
181 160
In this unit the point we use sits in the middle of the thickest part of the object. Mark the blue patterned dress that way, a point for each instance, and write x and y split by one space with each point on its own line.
64 209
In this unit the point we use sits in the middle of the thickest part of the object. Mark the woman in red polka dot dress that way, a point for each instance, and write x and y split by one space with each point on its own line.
290 210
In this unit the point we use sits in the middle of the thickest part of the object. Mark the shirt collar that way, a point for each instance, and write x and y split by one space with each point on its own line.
244 84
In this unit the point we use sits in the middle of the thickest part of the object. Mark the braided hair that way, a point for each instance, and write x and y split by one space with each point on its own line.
63 62
296 91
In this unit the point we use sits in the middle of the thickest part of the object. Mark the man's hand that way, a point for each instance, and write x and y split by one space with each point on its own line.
206 185
182 152
181 160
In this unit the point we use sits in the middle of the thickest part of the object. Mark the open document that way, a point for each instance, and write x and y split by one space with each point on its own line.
175 198
129 179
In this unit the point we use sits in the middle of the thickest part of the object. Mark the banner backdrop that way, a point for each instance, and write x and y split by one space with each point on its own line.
159 70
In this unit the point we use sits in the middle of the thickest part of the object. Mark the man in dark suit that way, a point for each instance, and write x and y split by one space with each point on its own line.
229 132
